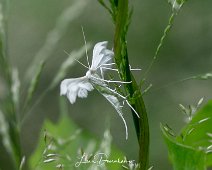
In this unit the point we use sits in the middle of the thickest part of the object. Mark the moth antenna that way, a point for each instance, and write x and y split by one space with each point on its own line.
86 50
102 73
82 64
113 69
77 60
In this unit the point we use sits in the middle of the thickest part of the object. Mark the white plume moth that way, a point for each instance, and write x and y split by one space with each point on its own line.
94 78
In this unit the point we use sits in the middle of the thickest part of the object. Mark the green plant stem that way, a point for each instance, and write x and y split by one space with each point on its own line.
121 58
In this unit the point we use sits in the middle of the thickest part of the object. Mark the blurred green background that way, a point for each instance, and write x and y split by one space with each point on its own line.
187 51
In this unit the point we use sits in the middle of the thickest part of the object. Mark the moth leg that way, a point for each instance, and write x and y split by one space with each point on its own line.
102 73
107 68
108 64
134 69
112 81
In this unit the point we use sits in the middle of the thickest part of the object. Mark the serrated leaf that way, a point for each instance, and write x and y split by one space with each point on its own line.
183 157
60 144
192 148
195 133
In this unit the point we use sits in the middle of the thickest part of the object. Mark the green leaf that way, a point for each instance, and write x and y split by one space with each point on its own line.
62 144
193 147
50 136
197 133
183 157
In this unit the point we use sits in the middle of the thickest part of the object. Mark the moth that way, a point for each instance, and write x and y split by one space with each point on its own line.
94 79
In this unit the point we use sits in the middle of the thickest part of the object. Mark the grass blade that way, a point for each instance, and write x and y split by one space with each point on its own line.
34 83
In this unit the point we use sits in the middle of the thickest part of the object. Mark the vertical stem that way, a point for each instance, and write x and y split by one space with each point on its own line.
121 58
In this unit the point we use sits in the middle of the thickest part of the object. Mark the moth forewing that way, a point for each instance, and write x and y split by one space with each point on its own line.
75 87
97 53
114 101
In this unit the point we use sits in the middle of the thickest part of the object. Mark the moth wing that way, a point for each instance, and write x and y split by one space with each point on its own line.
96 52
101 55
112 98
117 106
75 87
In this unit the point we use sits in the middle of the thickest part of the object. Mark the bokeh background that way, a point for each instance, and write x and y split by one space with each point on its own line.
187 51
